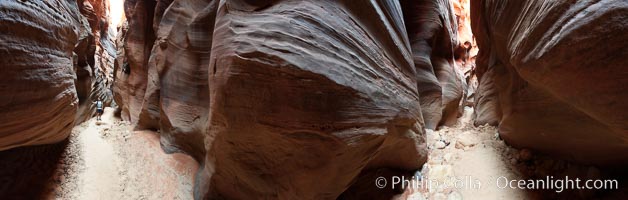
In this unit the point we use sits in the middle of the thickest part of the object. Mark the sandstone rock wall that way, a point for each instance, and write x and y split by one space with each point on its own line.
281 99
307 96
131 68
432 30
173 80
95 54
553 76
38 101
467 50
53 66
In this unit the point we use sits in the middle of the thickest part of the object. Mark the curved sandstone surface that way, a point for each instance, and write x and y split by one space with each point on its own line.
170 90
281 99
553 75
54 65
131 69
180 60
306 95
432 30
178 86
95 53
38 101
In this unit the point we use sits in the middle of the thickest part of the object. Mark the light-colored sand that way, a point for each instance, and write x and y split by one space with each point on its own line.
117 163
106 160
100 179
112 162
476 164
468 160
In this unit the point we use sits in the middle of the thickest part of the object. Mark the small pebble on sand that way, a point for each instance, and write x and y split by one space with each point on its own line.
440 145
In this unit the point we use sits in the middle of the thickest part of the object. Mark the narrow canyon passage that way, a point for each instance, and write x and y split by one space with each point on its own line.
102 166
475 157
108 160
313 99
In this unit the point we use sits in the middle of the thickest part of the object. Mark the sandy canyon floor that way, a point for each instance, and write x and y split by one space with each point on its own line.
474 163
108 160
464 163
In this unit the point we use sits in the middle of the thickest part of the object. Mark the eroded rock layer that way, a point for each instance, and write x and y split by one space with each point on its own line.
53 66
280 99
467 49
168 90
94 57
131 69
432 30
553 75
38 101
306 95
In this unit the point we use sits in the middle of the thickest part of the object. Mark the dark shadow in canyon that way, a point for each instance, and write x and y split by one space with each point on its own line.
541 166
25 172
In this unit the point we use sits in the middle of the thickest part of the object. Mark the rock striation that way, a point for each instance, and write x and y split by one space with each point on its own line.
94 58
432 29
281 99
467 50
53 66
167 88
307 96
552 74
38 101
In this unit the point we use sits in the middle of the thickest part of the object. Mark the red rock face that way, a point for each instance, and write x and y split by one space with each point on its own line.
132 63
52 68
462 11
169 90
180 60
94 58
279 99
306 95
553 75
467 49
38 102
432 30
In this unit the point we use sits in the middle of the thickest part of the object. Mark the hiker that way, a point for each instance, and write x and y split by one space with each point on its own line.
99 109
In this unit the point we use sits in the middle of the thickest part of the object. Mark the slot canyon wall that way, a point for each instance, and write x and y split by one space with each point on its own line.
314 99
57 57
166 87
94 57
466 51
291 98
443 52
553 75
309 97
